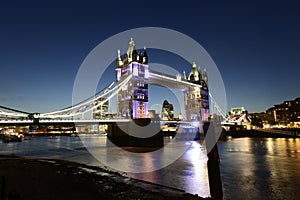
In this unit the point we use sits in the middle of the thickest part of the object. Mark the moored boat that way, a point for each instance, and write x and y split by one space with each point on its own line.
12 137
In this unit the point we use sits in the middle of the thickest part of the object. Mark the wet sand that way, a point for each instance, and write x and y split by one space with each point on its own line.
39 179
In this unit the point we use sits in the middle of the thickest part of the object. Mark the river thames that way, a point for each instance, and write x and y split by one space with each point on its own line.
251 168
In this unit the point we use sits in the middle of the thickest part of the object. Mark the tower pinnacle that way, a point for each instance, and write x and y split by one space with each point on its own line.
119 62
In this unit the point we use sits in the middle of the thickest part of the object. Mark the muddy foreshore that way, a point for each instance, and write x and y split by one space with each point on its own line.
40 179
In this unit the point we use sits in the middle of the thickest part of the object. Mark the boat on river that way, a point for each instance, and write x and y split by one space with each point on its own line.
12 137
169 129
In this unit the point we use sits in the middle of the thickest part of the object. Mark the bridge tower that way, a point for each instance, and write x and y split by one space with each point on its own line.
204 97
196 98
133 97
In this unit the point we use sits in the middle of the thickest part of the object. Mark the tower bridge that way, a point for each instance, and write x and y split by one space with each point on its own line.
133 75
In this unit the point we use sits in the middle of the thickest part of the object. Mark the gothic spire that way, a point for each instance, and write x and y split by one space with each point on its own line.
145 56
119 62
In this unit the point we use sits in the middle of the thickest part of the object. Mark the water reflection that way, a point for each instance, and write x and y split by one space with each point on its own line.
188 173
132 159
263 168
198 169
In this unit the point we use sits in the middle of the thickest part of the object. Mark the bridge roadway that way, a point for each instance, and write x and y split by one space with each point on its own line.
61 122
71 121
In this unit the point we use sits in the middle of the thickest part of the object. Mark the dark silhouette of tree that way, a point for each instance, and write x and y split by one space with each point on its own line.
255 121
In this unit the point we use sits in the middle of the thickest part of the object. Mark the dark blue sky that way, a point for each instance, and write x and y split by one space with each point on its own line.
256 45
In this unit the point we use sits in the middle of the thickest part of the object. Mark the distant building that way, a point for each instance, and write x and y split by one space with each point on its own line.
239 116
101 108
285 114
258 120
180 116
237 111
167 112
152 114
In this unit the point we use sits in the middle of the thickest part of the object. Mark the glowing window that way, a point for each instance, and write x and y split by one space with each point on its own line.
135 71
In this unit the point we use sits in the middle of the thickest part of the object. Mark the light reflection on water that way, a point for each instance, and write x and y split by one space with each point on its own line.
260 168
188 173
250 168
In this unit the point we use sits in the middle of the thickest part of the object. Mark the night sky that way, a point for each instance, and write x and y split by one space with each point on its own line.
255 45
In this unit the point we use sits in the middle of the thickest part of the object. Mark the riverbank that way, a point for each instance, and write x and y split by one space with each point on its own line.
262 134
57 179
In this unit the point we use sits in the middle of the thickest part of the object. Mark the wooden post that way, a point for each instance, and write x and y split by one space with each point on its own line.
214 175
2 188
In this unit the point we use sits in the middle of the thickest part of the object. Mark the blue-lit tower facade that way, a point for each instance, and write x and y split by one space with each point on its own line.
132 99
196 99
204 97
